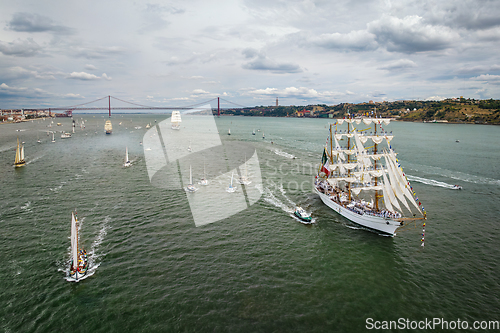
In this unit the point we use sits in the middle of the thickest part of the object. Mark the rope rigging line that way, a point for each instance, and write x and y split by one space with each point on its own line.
225 100
74 106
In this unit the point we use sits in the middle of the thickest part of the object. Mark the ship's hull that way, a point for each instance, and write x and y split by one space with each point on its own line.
376 223
20 164
108 132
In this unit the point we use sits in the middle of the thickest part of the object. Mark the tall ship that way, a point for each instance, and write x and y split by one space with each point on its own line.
108 128
361 179
19 160
79 262
176 120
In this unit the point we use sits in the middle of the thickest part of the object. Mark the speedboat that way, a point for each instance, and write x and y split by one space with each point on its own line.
457 187
302 215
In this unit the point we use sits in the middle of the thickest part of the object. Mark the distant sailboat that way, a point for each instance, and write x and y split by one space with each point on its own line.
175 120
79 262
229 132
191 188
37 136
253 133
127 162
204 180
19 161
244 178
263 135
53 139
231 188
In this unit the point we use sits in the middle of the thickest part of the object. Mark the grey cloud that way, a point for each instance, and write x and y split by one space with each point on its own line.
478 69
468 14
398 65
360 40
95 52
262 63
27 22
411 34
20 48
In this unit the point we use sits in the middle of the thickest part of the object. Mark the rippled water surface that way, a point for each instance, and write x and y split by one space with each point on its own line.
260 270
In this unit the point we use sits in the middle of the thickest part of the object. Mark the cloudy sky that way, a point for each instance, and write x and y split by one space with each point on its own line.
179 53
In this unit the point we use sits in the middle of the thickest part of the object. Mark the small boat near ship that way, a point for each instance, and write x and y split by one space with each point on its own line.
352 179
127 162
302 215
79 261
108 128
19 159
176 120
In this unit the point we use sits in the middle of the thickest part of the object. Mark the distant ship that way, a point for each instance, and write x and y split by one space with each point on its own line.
176 120
19 161
108 127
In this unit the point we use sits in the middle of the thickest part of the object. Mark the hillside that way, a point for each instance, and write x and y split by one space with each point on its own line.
449 110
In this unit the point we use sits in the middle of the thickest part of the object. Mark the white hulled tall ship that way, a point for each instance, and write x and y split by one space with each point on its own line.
361 179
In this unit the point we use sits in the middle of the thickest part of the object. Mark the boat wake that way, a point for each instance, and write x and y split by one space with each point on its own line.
456 175
276 195
284 154
94 255
35 159
430 182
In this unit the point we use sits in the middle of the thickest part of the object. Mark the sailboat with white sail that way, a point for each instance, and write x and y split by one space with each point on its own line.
19 160
127 162
176 120
190 187
204 180
79 261
53 138
366 184
231 188
244 180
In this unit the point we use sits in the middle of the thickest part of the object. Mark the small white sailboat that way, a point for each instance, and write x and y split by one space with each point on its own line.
190 187
229 132
148 126
263 135
175 120
127 161
19 160
79 261
231 188
204 180
53 139
38 138
243 180
253 133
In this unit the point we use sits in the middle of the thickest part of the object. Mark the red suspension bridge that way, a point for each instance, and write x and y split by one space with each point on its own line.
135 106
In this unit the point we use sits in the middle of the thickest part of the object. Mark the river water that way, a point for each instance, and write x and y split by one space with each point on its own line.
258 269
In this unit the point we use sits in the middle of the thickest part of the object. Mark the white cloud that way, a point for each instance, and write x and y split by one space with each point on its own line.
82 76
399 65
20 48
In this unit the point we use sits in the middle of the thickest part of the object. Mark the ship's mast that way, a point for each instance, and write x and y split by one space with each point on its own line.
377 196
349 160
